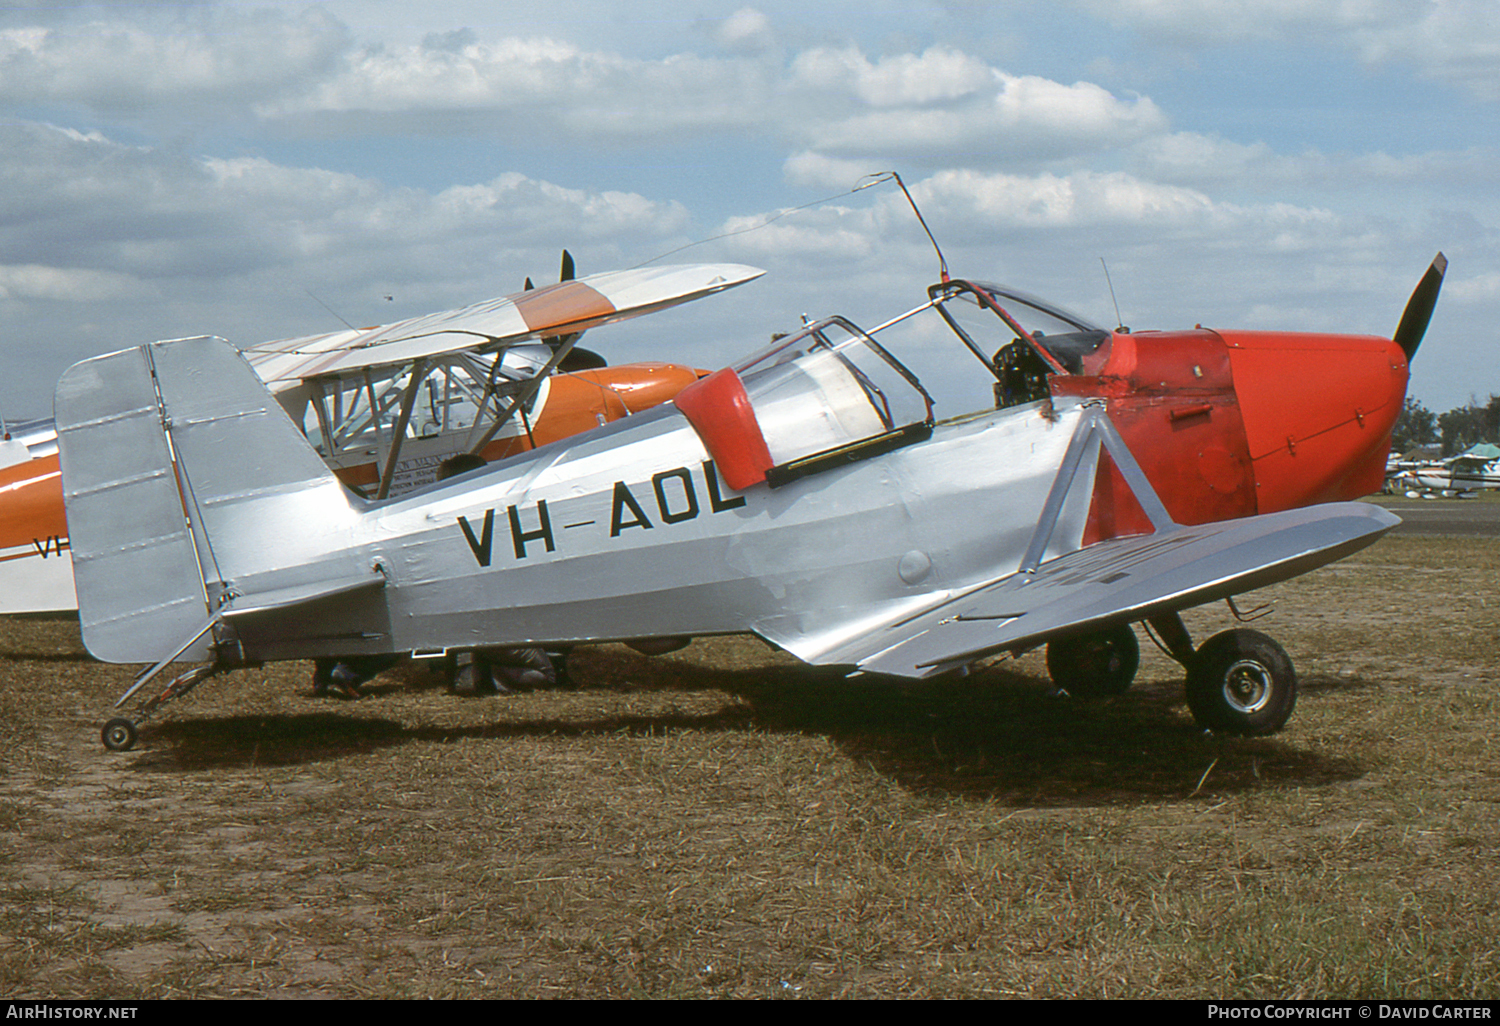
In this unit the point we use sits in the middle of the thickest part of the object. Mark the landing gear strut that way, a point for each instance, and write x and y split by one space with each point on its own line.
120 733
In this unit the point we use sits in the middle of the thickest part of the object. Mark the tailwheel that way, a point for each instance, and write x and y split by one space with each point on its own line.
1241 682
1095 665
119 734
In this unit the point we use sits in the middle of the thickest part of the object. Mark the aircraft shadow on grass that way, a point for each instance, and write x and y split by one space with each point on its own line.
998 734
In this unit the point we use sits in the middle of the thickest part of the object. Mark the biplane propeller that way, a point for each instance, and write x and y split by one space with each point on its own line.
578 358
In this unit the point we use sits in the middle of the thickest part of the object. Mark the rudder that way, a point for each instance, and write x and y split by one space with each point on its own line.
181 476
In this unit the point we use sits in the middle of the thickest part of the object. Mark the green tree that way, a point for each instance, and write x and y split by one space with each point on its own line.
1463 427
1417 425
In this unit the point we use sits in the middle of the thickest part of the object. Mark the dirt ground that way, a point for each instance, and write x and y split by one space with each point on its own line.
722 822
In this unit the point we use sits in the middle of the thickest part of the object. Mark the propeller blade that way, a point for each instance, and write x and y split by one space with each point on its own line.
1419 308
567 273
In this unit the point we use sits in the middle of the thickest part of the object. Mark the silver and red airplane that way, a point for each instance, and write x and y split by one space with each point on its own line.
815 494
386 406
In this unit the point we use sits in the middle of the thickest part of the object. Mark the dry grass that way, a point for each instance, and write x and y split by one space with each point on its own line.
723 822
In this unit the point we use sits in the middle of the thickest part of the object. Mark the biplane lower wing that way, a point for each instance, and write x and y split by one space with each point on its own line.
1118 581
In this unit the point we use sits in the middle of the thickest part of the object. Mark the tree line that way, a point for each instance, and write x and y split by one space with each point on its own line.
1455 430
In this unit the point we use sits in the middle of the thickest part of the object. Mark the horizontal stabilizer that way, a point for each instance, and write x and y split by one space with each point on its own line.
283 599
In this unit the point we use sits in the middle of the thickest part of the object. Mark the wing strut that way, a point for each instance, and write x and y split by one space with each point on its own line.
408 402
1093 431
527 392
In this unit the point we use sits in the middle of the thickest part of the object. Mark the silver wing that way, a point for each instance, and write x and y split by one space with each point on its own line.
1120 581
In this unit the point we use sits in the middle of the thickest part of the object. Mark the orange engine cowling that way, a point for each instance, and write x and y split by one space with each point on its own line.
1230 424
1318 413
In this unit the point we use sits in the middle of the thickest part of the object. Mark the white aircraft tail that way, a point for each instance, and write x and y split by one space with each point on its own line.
182 476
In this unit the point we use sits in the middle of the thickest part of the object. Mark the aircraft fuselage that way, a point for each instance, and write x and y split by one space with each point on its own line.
631 532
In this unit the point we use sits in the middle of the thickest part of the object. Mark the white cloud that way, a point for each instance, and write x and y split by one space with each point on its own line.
36 281
1208 162
94 196
1225 21
938 74
823 171
216 56
1457 41
747 30
1086 199
1038 106
1025 173
831 233
176 246
1190 157
546 90
935 105
971 114
1474 288
512 73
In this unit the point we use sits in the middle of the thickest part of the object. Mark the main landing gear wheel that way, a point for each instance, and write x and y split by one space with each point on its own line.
119 734
1241 682
1095 665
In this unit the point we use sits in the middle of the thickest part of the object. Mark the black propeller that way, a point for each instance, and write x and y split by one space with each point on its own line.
1419 308
578 358
566 274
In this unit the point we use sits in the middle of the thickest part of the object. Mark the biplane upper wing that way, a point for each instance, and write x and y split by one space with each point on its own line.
1117 581
561 309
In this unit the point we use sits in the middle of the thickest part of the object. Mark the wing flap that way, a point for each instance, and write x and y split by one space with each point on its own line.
1119 581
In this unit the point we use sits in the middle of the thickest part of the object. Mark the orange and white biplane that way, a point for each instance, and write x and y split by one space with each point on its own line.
386 406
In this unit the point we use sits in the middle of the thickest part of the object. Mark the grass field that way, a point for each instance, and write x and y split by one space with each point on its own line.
721 822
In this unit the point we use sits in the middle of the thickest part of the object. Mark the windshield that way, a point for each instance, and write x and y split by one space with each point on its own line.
1035 315
1059 338
1019 340
356 410
829 385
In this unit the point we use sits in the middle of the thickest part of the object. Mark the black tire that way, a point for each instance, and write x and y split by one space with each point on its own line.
1241 682
118 735
1095 665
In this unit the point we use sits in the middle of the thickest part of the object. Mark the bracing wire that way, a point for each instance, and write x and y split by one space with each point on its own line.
754 227
868 181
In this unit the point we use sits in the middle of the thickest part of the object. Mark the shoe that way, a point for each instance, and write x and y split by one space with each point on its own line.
343 682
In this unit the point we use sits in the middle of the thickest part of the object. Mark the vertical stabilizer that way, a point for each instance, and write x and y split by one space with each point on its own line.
182 478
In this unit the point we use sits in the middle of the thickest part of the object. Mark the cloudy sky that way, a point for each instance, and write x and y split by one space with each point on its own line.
244 168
